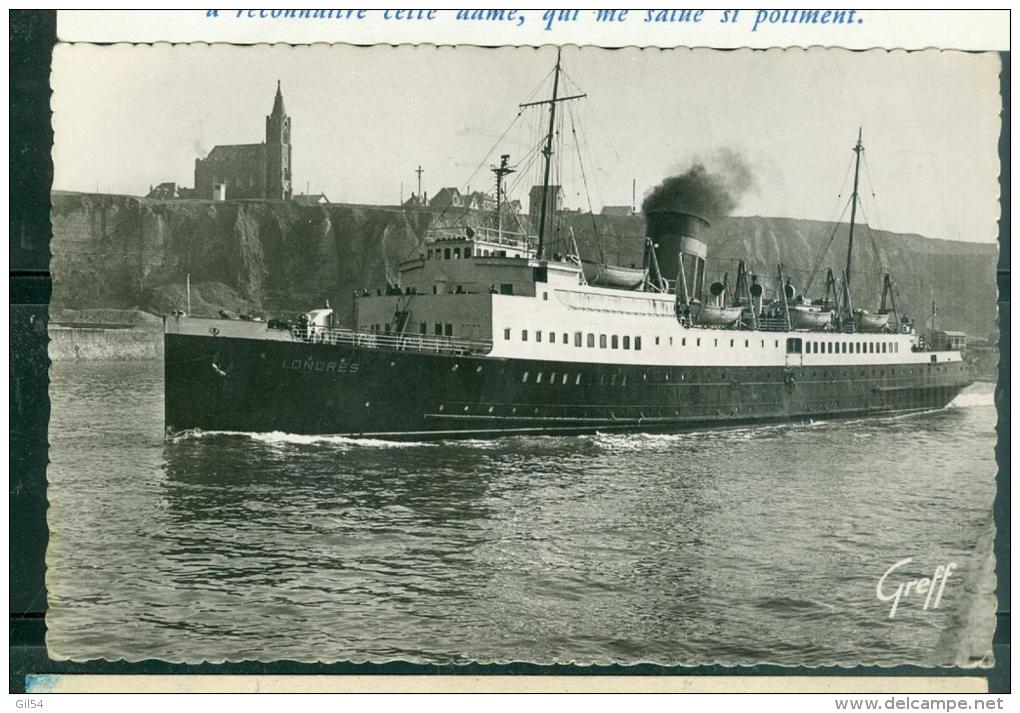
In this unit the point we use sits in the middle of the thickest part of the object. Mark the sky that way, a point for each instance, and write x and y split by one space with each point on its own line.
364 118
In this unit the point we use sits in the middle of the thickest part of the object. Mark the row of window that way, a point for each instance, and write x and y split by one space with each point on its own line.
710 377
613 342
440 329
851 347
458 254
610 341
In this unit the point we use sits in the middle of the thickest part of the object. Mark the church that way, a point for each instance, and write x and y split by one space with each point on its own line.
241 171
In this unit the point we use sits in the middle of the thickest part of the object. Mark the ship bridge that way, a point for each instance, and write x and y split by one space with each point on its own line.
450 288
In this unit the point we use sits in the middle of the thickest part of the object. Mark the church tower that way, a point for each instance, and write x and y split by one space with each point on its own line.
278 178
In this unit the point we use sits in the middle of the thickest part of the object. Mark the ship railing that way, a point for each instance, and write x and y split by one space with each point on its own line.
495 236
390 341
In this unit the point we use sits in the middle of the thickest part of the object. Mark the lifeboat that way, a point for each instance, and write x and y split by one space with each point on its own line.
865 321
605 275
711 315
807 316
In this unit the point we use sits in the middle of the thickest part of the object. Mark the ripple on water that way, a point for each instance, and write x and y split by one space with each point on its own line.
736 545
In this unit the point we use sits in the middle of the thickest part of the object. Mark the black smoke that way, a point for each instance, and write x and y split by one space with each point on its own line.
708 189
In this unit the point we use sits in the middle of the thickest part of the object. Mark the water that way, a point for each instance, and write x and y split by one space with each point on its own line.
741 546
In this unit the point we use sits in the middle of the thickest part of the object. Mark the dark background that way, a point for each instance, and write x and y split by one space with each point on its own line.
32 35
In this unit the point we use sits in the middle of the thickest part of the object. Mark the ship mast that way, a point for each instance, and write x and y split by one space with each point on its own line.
547 150
858 149
502 170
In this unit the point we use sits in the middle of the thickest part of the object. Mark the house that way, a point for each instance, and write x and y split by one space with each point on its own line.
311 199
483 201
164 192
554 202
618 211
447 198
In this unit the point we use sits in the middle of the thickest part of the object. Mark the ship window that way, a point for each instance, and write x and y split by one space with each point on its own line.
671 341
762 343
591 340
565 378
830 347
449 329
747 343
506 288
552 337
698 344
538 335
446 254
577 339
731 342
715 342
566 338
793 346
423 328
637 343
538 378
871 347
612 379
435 289
439 329
552 378
883 347
524 335
626 342
843 348
616 342
524 379
602 341
656 341
777 344
506 334
683 342
623 381
545 296
577 380
467 252
456 253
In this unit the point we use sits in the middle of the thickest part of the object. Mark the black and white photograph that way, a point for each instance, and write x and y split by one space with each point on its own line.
555 355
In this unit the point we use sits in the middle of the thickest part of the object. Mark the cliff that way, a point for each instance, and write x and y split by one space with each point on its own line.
280 258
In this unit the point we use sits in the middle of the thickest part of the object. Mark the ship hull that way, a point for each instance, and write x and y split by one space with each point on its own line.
215 383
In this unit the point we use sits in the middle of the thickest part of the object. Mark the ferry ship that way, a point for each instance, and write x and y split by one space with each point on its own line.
489 334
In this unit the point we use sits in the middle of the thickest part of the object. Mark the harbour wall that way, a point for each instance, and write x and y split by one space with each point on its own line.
104 335
279 258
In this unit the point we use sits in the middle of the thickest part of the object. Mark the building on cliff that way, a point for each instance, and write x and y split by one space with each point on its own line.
250 170
554 203
618 211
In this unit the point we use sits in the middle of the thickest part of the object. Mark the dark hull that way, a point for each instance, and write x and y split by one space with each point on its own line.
227 384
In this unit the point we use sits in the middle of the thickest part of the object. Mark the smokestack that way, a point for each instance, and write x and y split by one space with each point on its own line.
679 209
676 236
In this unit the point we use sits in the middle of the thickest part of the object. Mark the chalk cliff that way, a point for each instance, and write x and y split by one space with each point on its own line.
278 257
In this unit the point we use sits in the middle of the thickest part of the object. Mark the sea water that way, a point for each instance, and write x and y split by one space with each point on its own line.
738 546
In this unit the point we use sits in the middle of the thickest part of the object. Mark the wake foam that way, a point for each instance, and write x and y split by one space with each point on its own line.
274 438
